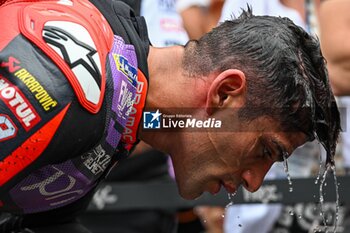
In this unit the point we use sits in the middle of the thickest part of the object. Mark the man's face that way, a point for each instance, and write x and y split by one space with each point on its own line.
239 156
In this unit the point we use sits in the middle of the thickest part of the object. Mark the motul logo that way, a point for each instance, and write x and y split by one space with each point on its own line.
18 104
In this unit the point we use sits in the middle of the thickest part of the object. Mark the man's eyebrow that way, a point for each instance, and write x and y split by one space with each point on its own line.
283 154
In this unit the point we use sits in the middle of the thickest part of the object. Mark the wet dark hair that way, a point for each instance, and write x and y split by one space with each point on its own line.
286 74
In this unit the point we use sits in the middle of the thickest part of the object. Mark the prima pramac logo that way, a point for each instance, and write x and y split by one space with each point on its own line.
158 120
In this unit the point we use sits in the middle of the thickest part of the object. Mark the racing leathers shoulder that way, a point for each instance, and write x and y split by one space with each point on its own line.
72 88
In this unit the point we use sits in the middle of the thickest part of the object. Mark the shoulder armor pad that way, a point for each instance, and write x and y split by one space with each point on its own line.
76 36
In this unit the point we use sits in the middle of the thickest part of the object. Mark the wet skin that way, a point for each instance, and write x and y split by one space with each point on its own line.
231 159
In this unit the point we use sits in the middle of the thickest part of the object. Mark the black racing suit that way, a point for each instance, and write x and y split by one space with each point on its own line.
73 81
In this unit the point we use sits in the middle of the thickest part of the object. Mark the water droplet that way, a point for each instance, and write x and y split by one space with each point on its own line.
323 179
319 169
323 183
286 170
230 198
336 184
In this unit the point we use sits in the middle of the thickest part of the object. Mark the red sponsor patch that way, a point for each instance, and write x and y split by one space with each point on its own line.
18 104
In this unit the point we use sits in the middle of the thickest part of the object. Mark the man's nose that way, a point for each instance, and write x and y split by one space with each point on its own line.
252 179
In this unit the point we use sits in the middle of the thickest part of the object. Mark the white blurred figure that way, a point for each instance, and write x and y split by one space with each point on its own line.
233 8
199 16
165 26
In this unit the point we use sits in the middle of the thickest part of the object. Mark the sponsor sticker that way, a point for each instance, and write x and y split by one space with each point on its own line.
123 65
46 101
18 104
51 187
124 75
97 160
8 129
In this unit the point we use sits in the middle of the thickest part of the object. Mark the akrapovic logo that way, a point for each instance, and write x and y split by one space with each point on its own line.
157 120
41 95
46 101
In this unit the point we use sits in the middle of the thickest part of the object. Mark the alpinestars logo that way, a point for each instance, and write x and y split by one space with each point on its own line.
81 56
74 52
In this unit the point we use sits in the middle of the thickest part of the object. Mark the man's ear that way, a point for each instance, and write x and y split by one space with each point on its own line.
227 89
